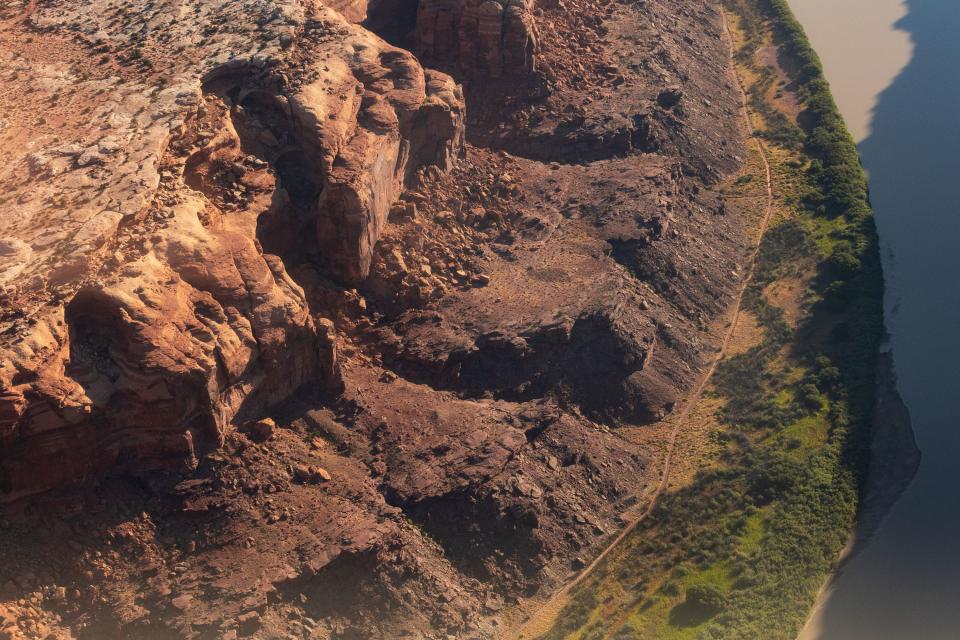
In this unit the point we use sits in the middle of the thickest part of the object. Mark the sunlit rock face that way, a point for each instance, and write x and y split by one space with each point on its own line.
487 39
145 314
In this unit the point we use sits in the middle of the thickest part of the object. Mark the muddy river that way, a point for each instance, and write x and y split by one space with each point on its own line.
895 71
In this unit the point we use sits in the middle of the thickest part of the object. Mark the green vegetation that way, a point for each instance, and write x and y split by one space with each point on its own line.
741 551
705 599
843 188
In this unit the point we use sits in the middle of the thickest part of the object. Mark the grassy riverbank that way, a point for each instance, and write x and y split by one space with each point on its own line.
741 550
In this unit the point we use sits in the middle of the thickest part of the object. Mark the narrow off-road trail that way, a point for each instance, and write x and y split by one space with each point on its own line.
546 612
26 13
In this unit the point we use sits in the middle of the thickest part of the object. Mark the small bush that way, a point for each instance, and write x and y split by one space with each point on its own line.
706 598
843 262
810 397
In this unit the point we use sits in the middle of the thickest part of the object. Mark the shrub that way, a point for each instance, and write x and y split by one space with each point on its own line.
843 262
706 598
809 396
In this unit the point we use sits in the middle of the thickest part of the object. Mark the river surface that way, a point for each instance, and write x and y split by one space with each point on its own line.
895 71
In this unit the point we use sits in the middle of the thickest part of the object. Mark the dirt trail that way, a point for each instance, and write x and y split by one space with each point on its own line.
546 613
27 12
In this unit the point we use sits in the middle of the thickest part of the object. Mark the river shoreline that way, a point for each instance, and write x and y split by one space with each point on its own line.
859 77
831 26
889 474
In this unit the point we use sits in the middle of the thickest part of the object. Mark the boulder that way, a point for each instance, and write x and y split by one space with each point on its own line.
261 430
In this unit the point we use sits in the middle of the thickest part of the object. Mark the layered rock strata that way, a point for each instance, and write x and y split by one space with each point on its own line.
487 39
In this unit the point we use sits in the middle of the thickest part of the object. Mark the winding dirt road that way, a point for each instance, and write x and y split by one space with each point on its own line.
547 612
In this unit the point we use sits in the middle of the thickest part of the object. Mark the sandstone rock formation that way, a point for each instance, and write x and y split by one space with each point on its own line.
487 39
299 338
189 322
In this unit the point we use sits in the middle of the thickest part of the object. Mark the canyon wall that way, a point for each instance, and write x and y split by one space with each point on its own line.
302 337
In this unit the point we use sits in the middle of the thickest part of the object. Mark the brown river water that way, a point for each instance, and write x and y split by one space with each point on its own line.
895 71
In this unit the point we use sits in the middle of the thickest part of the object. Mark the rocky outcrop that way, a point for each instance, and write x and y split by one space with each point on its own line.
597 361
150 370
487 39
345 145
164 321
411 120
282 355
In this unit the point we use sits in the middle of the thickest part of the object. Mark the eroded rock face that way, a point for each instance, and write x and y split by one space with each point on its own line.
152 368
282 355
172 321
346 144
597 361
411 120
487 38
